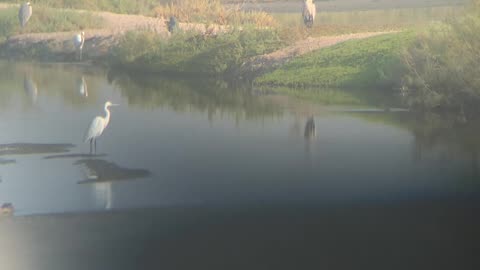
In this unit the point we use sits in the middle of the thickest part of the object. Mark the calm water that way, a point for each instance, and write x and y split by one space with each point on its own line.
176 144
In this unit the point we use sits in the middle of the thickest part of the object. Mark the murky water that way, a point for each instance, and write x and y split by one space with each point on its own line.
176 143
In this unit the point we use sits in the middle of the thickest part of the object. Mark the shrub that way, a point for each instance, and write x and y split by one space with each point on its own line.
442 65
191 52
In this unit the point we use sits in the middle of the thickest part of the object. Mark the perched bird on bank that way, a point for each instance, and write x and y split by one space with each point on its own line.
78 42
97 126
172 24
308 12
24 13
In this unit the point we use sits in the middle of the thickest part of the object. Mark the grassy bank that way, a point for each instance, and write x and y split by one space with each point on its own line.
356 63
46 20
190 52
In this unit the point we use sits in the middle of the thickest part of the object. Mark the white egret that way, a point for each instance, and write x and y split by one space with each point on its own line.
24 13
78 42
97 126
308 12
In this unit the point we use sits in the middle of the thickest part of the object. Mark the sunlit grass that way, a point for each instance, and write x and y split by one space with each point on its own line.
334 23
46 20
355 63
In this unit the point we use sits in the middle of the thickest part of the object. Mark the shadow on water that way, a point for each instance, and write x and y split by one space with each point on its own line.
7 161
33 148
75 155
99 170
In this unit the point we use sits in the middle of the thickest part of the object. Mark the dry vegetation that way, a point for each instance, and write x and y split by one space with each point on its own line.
213 11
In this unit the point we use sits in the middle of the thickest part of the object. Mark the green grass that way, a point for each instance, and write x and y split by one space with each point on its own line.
356 63
192 52
46 20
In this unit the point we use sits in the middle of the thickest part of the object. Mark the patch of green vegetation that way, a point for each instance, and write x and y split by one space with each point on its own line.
370 62
192 52
46 20
442 65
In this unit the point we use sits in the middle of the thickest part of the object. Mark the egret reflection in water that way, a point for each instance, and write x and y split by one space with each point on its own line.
101 174
81 86
30 88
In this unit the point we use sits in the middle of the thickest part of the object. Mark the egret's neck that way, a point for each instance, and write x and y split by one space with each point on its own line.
107 115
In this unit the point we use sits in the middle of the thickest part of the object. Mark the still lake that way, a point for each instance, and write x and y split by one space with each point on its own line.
203 144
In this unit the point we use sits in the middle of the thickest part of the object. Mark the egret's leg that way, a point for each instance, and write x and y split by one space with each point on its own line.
91 141
81 50
95 145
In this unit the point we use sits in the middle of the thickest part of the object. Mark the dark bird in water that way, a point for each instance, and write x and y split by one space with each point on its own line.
172 24
308 12
310 128
24 13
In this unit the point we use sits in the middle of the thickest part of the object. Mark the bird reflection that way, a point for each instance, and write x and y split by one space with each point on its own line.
30 88
99 170
310 128
309 134
82 87
101 174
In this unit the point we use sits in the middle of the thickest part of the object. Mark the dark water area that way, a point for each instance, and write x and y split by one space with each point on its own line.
198 173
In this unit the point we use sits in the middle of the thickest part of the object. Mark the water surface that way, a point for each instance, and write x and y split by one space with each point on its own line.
203 144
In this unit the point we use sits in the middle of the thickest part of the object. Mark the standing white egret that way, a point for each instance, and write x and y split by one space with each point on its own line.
97 126
78 42
24 13
308 12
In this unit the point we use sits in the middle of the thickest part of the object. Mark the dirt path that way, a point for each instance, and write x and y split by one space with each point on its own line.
99 41
267 62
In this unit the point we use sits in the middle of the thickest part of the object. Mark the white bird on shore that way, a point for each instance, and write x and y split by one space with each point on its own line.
24 13
78 42
308 12
97 126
